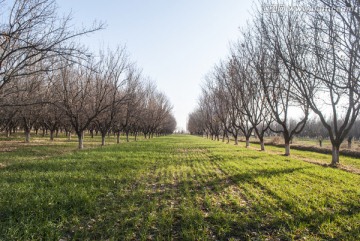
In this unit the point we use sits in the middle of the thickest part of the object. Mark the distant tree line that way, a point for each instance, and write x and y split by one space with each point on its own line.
51 83
287 66
315 129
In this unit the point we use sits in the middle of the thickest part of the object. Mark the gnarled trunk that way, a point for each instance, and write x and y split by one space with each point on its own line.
287 139
118 137
103 139
81 140
52 135
262 145
27 136
335 155
247 142
287 149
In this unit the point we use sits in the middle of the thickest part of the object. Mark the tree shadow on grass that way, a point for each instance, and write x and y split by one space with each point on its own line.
263 220
42 199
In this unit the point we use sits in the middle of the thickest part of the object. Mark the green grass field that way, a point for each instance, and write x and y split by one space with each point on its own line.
172 188
346 161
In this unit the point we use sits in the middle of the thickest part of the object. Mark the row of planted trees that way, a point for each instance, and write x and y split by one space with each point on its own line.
49 82
288 65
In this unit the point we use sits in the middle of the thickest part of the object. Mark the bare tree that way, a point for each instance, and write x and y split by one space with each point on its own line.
335 50
32 33
234 77
8 119
52 117
195 124
168 125
82 94
320 50
252 71
212 122
131 110
220 100
275 29
24 92
156 108
111 71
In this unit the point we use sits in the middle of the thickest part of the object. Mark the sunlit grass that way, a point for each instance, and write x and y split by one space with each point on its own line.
174 187
351 162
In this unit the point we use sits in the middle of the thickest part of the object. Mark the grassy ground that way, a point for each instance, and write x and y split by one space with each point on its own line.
326 143
346 162
174 187
351 163
311 142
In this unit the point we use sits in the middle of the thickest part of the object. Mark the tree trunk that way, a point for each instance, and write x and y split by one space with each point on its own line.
27 136
103 135
262 144
118 137
57 133
52 135
236 140
287 148
81 140
69 136
247 142
349 141
335 155
127 136
43 132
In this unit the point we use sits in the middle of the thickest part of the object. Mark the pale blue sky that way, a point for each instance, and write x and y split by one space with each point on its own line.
175 42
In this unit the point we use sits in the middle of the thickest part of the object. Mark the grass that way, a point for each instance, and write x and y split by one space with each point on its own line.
350 162
313 142
172 188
